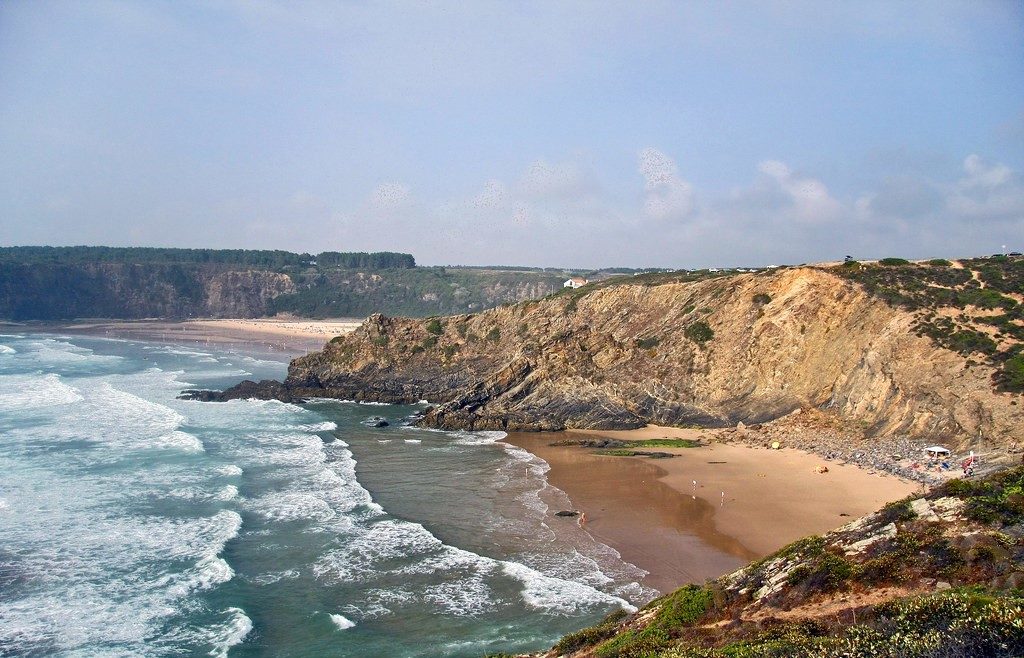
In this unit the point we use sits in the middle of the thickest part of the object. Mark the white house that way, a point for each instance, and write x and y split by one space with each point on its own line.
575 282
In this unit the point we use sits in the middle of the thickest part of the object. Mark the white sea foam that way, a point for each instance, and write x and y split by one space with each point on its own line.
178 440
556 595
275 576
342 622
413 441
232 633
229 471
34 391
326 426
230 492
291 506
478 438
5 349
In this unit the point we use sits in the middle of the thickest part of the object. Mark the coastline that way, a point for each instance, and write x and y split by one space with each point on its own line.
649 510
289 337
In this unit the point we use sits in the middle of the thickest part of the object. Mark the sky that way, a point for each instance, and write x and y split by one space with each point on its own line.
549 133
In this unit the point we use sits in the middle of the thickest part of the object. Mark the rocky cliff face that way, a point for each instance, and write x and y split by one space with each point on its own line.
125 290
244 294
748 347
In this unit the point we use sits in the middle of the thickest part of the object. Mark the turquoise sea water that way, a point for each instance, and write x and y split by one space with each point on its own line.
133 523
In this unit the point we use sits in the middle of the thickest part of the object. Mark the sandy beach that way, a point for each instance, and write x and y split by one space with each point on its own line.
651 512
288 336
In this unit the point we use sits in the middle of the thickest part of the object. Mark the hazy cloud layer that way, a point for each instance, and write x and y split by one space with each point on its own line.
541 133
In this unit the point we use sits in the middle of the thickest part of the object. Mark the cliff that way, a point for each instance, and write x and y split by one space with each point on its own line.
675 350
136 290
59 283
933 576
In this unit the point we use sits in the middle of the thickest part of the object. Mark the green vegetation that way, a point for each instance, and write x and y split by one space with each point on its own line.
894 262
380 341
666 443
762 298
955 624
648 343
676 610
588 637
435 327
699 332
430 342
494 335
976 289
1013 372
995 501
266 259
416 292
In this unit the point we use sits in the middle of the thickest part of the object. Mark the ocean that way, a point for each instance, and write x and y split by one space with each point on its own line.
136 524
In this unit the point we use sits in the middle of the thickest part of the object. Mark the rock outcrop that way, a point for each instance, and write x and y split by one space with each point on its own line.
744 348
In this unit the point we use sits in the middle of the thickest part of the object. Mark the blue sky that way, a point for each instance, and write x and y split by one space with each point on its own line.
538 133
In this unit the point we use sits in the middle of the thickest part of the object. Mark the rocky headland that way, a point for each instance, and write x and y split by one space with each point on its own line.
713 351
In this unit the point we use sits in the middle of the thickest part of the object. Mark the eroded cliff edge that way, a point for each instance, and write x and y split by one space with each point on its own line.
623 355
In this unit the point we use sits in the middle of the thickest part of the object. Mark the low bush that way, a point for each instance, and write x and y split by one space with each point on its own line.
648 343
435 327
699 332
588 637
893 262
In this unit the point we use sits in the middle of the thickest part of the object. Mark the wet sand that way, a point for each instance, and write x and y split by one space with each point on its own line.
288 337
650 511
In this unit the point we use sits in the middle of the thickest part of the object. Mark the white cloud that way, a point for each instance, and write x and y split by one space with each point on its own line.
987 192
666 195
558 213
808 197
981 174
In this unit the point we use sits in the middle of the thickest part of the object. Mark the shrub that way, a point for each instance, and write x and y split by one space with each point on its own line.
677 610
699 332
435 327
892 262
939 262
380 341
494 335
588 637
762 298
648 343
898 510
1013 373
826 572
429 342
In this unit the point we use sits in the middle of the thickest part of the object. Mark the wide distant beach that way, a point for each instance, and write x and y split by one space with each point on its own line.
289 336
651 512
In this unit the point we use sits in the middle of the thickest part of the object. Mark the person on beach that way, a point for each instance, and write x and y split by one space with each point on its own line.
583 519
